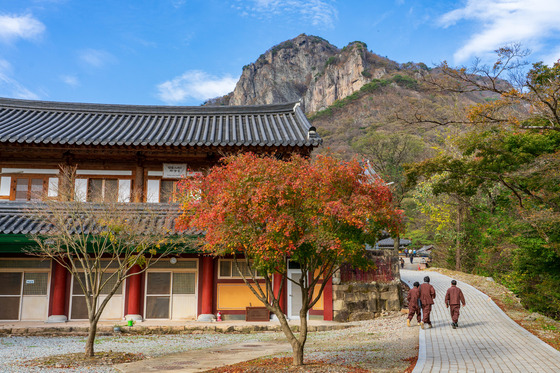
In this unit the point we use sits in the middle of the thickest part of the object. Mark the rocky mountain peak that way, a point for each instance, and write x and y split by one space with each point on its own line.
306 68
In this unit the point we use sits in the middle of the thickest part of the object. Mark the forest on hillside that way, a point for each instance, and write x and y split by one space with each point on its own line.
472 154
484 185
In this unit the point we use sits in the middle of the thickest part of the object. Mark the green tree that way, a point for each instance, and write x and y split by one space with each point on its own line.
504 175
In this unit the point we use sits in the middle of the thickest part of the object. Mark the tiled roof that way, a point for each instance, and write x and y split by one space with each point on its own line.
389 242
17 217
41 122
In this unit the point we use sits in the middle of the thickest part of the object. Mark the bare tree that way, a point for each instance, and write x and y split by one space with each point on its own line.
98 243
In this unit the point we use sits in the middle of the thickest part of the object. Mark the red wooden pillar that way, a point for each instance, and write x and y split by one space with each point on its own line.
58 298
276 287
134 295
328 301
207 295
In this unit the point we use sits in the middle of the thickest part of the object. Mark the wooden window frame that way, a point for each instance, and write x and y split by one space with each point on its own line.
232 269
29 177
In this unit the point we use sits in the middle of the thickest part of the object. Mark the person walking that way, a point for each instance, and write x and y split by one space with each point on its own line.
414 305
411 257
453 299
427 296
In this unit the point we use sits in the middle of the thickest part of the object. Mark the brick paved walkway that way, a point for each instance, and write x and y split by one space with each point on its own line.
487 340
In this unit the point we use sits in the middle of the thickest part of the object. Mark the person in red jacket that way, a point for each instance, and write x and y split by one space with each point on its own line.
427 296
453 299
413 304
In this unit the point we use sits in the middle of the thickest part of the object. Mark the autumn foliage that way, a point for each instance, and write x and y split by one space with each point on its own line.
273 209
318 213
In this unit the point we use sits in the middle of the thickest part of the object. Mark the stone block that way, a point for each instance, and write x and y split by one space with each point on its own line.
357 306
341 316
372 305
359 316
338 304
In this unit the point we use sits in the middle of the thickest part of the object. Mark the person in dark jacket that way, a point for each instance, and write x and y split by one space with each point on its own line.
414 304
453 299
427 296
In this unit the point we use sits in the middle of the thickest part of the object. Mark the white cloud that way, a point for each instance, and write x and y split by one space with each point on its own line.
19 27
321 13
195 84
10 87
529 22
552 56
71 80
96 57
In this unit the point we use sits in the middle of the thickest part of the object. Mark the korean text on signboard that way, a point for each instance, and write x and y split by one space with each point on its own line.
174 171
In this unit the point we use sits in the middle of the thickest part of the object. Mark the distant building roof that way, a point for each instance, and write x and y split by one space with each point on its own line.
61 123
389 243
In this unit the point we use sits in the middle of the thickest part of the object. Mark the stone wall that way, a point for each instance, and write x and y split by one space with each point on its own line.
365 301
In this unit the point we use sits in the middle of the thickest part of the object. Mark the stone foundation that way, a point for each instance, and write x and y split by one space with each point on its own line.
365 301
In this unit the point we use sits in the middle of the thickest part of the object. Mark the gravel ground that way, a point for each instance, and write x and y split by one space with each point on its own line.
381 345
14 350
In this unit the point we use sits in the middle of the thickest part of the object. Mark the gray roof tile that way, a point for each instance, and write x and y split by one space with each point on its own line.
59 123
16 217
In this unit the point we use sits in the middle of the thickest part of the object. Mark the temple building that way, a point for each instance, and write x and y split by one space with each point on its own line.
141 152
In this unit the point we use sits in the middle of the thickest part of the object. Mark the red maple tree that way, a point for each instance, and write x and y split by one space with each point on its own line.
264 211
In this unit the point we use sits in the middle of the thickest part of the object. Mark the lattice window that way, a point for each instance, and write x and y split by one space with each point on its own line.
35 283
184 283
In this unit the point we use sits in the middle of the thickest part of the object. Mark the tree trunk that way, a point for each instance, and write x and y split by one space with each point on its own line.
91 338
297 354
297 348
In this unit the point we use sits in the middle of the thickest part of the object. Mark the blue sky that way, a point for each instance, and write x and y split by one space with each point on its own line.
181 52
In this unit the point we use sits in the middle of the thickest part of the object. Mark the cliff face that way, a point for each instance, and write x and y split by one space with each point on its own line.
307 68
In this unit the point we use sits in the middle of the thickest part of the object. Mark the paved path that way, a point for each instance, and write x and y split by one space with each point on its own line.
487 340
201 361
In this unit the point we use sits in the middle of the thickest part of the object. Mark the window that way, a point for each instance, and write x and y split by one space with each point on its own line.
228 269
29 188
10 295
168 191
161 191
103 190
78 309
98 189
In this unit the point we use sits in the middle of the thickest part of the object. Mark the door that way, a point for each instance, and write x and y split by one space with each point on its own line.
294 294
23 295
170 295
113 310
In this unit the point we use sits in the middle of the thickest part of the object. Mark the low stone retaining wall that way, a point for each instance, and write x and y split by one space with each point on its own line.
365 301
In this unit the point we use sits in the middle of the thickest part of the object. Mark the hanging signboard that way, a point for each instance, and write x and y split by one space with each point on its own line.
174 170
